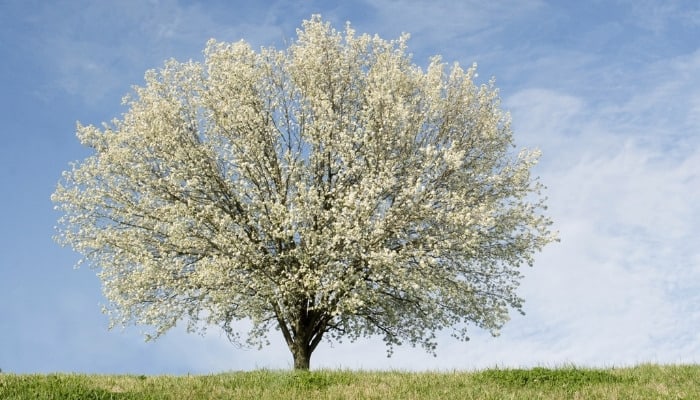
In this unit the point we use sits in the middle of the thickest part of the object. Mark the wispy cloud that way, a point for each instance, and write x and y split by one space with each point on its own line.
660 17
624 182
96 50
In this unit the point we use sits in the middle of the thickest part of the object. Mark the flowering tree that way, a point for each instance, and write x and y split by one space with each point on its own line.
329 190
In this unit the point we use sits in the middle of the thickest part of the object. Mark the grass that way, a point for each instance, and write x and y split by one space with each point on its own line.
641 382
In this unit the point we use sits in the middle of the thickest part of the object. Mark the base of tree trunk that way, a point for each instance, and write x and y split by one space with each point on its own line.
302 359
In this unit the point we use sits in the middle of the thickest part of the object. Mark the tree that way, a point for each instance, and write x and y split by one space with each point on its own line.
330 190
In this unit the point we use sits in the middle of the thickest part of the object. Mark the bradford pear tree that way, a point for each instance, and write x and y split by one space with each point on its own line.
329 190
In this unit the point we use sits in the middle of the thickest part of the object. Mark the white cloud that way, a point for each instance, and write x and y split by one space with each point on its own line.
458 27
659 17
444 19
624 222
98 50
624 184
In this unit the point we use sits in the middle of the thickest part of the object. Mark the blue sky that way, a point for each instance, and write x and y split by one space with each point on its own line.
608 90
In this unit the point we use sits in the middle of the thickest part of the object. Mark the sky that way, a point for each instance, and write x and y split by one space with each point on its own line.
608 90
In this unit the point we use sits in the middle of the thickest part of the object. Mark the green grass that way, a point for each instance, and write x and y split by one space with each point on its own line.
641 382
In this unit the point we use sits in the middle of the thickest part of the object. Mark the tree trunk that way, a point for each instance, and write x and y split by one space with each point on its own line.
302 356
303 333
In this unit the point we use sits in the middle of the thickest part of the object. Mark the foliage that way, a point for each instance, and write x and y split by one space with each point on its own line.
333 189
642 382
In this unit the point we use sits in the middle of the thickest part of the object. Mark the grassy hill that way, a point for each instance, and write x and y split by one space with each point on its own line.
641 382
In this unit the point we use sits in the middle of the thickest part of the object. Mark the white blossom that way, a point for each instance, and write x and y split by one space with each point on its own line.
332 189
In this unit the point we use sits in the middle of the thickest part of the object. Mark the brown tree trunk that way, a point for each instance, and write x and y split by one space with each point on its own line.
302 356
302 334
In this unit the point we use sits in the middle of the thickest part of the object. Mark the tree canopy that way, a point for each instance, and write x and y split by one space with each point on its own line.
331 190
